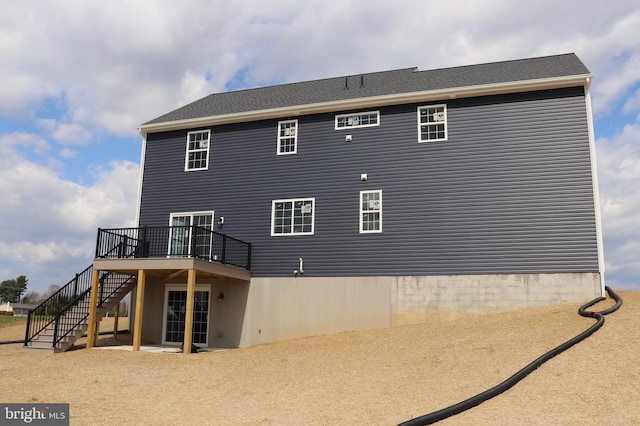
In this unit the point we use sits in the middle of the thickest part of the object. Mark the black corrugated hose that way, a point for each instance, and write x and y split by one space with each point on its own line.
452 410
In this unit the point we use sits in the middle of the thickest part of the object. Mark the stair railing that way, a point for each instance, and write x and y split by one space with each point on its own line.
68 320
43 315
57 308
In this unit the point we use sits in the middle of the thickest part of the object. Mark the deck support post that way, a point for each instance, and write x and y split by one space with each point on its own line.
93 309
188 320
115 322
137 325
97 334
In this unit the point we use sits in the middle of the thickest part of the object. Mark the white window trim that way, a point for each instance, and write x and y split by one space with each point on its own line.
192 214
357 114
362 212
445 122
187 151
293 200
295 138
183 287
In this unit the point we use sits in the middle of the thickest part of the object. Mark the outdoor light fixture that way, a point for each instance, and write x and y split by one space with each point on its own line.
221 297
221 221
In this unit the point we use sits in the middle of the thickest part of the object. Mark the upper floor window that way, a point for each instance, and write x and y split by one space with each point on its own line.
197 157
432 123
359 119
370 211
293 216
287 137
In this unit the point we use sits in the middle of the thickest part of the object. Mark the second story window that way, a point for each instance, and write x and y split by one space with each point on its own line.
287 137
359 119
432 123
197 156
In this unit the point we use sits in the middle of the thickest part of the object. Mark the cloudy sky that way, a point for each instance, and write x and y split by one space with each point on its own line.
78 77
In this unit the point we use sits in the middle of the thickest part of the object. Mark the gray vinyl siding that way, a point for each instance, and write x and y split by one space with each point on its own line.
510 191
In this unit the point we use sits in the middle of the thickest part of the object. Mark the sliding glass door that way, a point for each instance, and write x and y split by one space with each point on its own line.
182 239
175 308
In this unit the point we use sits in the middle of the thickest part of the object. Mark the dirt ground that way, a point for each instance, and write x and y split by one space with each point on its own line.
376 377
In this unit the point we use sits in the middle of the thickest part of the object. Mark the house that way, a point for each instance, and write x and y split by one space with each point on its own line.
360 202
19 309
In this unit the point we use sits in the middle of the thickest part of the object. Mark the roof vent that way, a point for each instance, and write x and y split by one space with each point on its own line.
361 81
346 83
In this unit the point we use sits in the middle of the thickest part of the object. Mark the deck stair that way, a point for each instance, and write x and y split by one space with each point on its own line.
55 324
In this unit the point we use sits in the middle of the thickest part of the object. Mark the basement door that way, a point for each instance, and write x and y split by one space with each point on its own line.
175 308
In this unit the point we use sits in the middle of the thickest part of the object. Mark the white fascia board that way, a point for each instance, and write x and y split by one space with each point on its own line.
596 192
373 101
140 178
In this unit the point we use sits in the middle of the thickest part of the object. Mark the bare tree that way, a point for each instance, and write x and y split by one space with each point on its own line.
32 298
50 290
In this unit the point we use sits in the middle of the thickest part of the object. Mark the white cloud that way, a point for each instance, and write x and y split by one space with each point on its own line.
71 134
53 222
22 251
68 153
619 177
43 199
632 104
11 142
66 133
115 67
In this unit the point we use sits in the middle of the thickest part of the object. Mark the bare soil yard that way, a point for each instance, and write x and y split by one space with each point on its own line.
377 377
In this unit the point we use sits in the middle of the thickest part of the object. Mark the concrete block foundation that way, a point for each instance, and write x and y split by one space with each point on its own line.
418 299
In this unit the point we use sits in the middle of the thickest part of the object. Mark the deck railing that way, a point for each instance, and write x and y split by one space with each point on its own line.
173 241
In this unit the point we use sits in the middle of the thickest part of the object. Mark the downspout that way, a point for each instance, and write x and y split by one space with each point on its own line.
596 190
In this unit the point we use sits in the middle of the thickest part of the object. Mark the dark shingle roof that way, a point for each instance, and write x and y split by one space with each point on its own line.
376 84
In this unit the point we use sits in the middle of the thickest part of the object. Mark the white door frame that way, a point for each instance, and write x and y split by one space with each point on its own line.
183 287
190 215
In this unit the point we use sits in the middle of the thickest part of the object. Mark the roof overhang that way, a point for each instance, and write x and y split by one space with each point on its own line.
372 101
